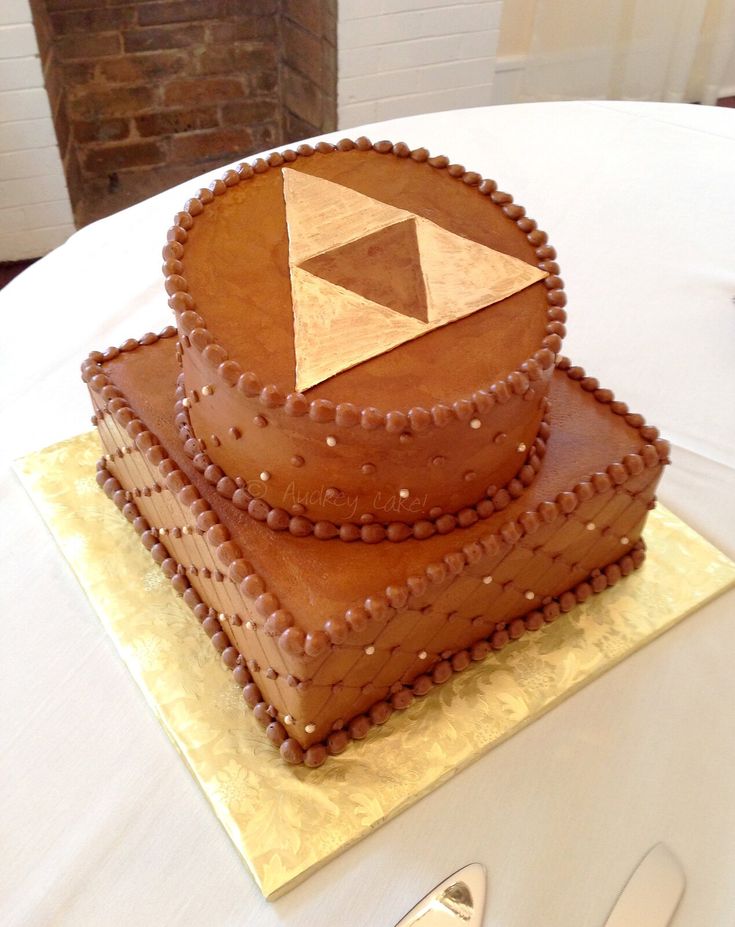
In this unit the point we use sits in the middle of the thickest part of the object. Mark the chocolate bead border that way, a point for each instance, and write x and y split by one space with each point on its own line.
280 623
359 727
195 334
277 519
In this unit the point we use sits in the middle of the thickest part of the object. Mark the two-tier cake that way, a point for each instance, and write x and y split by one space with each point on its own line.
359 456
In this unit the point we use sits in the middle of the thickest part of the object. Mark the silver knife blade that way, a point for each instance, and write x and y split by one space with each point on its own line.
652 894
458 901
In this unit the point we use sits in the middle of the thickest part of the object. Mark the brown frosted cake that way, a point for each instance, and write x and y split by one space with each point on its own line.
359 455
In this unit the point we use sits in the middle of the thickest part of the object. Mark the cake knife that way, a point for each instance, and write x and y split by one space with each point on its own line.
652 893
458 901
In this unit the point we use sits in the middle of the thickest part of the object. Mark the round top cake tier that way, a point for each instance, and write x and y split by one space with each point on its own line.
367 336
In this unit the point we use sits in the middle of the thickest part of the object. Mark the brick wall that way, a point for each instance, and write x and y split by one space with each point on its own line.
156 91
403 57
309 67
149 93
35 213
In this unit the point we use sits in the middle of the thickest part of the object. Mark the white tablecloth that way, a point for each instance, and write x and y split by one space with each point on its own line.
100 823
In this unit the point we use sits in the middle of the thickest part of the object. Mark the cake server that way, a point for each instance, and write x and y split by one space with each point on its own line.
652 893
458 901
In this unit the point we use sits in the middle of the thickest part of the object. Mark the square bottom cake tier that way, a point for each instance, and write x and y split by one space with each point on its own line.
328 638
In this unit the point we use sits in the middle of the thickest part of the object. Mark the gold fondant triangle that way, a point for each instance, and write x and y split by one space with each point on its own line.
336 325
335 329
322 215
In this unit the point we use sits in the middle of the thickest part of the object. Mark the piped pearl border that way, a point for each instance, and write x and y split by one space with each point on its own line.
280 623
402 695
278 519
192 326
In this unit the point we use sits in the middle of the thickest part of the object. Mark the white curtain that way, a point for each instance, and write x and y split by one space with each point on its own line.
668 50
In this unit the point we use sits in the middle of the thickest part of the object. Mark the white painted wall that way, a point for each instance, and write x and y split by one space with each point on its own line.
404 57
35 212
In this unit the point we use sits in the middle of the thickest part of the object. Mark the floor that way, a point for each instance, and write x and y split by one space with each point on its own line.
11 269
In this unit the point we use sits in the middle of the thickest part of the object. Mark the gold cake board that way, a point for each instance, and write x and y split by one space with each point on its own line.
287 821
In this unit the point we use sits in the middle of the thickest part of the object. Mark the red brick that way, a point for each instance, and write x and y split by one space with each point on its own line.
61 126
247 29
219 144
198 90
296 128
263 81
76 72
307 13
329 113
175 121
176 11
54 85
302 97
101 130
265 136
248 112
74 181
157 38
69 47
302 51
228 59
53 5
42 25
119 157
122 101
133 69
237 8
95 20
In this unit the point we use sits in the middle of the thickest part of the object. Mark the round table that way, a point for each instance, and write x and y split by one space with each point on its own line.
102 823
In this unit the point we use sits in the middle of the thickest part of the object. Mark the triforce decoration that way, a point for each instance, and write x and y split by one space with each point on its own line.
366 276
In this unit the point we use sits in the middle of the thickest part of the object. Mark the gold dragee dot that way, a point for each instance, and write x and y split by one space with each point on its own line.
423 655
207 390
521 448
475 423
370 650
331 440
249 625
310 728
404 493
487 580
530 595
590 526
186 402
288 719
265 476
624 540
